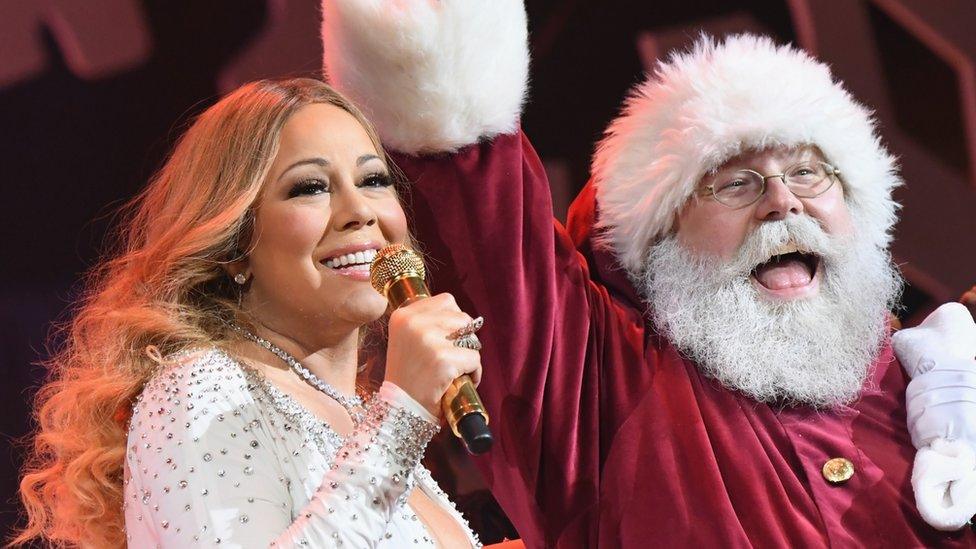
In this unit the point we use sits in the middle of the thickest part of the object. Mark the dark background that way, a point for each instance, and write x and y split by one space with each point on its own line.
92 95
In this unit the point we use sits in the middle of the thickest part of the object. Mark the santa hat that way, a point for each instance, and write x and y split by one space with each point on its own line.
704 106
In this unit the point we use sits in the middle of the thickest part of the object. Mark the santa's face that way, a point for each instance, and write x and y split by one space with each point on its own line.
779 299
709 228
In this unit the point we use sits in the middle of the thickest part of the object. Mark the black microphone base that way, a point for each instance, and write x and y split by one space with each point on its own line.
475 433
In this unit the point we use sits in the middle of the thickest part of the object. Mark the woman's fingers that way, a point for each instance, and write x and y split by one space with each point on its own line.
476 373
424 355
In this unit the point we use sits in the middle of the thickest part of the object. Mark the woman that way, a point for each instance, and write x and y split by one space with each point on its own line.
210 388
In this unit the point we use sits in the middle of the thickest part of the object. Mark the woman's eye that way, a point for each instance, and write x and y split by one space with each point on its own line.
308 187
377 180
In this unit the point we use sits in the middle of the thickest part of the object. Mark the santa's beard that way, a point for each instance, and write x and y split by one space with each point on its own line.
816 351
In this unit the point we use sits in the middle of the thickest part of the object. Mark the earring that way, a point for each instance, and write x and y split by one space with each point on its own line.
240 278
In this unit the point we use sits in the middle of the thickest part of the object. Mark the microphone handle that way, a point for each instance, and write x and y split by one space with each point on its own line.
462 406
466 415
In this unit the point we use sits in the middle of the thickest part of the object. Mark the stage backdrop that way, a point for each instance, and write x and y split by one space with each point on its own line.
93 93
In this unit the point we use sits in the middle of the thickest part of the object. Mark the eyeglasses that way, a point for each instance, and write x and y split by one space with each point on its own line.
806 180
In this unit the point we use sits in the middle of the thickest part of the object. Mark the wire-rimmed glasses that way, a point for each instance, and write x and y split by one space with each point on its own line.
808 179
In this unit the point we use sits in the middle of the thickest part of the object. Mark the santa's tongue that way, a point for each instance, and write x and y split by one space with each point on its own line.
788 272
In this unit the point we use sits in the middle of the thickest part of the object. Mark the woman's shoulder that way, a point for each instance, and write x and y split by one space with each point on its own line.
196 384
199 366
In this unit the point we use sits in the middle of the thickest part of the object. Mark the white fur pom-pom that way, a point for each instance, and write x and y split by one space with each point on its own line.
431 75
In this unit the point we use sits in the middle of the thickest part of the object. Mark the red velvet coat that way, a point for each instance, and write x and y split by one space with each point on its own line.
605 435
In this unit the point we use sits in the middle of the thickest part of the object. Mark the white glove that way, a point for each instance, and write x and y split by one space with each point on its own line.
940 356
432 75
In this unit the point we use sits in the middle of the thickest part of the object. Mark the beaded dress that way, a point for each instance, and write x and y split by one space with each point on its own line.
217 455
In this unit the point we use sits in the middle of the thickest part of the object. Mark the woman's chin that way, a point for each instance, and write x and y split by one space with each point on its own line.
356 306
366 307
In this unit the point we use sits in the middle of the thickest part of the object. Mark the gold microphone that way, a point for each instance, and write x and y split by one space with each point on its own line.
398 273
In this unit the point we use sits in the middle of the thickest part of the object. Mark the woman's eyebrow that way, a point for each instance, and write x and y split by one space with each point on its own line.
366 158
315 161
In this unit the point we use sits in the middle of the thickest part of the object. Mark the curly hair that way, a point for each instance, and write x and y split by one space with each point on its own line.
162 290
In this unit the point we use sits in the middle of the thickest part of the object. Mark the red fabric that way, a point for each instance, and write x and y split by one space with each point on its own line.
605 435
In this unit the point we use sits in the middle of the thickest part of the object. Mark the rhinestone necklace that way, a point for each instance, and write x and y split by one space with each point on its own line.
353 404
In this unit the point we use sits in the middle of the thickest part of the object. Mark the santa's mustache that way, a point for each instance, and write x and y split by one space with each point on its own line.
799 234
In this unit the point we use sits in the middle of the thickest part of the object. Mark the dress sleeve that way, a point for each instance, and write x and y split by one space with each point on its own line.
203 468
370 479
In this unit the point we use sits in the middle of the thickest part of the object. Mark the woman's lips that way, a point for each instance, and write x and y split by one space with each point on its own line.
356 272
352 262
351 257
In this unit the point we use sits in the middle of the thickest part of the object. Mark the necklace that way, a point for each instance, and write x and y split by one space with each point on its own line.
353 404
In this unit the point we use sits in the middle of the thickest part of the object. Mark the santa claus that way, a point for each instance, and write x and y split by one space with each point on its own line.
703 355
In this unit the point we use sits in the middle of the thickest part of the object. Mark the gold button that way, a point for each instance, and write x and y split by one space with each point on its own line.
838 470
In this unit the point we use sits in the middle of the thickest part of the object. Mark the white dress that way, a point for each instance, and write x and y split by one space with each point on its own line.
217 455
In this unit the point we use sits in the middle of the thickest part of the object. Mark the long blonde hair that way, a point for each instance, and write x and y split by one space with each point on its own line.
163 290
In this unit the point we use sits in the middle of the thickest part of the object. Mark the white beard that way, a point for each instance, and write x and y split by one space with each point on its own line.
816 351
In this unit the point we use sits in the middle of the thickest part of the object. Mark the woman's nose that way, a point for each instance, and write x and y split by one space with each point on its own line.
351 210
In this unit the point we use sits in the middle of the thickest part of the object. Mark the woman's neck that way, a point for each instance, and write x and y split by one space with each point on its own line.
334 360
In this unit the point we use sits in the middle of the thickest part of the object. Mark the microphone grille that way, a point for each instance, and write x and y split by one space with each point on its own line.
393 262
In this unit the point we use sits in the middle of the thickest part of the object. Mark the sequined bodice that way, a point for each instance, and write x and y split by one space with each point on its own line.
216 454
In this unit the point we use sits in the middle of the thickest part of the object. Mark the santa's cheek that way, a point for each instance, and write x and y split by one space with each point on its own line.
722 239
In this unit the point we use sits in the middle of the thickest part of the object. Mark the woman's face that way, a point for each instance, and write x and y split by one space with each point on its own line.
327 206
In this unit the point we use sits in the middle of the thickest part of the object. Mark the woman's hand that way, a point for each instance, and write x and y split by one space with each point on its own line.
420 359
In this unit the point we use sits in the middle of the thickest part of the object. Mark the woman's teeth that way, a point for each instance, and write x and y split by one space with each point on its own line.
364 257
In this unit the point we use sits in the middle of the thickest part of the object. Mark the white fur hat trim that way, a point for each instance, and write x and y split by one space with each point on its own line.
713 102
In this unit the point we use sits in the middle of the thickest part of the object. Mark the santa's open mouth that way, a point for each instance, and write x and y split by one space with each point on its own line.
789 274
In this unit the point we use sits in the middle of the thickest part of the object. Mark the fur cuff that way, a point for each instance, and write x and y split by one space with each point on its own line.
944 479
432 76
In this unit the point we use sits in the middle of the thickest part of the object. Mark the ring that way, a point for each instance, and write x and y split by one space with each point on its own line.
468 341
469 328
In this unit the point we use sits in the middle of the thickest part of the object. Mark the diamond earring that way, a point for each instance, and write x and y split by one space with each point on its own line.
240 278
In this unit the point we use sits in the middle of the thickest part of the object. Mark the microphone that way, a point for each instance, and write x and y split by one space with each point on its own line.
398 273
